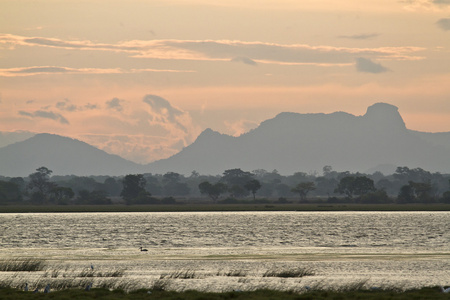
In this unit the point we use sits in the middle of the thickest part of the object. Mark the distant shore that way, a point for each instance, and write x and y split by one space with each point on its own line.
221 207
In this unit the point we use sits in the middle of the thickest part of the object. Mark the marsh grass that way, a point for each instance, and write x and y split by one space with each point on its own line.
181 274
289 273
22 265
260 294
233 273
111 273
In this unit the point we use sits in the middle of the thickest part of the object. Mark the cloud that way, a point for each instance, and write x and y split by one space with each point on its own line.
425 4
115 104
66 105
367 66
444 24
39 70
224 50
359 36
239 127
46 115
144 131
441 2
244 60
162 107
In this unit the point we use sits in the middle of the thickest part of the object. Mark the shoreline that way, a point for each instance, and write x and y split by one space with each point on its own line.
224 208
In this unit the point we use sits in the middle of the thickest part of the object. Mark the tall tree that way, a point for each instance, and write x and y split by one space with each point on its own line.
212 190
303 188
133 187
173 185
355 185
40 185
253 186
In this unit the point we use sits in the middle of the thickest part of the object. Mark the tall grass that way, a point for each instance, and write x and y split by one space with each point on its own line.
181 274
295 272
22 265
233 273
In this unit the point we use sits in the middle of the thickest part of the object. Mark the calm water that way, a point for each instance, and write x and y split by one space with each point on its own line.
402 249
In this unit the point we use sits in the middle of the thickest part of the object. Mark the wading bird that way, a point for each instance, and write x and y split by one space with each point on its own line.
142 249
26 287
88 287
445 290
47 288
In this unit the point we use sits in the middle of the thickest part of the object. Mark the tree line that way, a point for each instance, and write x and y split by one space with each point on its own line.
405 185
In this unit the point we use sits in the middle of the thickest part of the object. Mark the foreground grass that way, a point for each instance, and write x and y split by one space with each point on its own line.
223 207
424 293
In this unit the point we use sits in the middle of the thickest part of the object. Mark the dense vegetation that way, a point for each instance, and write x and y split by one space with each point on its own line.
234 186
424 293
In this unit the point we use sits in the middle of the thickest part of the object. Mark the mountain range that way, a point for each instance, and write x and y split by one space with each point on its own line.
289 143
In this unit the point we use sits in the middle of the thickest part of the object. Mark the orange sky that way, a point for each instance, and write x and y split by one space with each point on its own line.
143 78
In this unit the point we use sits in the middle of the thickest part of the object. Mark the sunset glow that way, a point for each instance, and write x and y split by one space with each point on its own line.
142 79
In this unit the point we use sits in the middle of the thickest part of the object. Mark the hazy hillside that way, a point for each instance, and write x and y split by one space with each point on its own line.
8 138
289 142
63 155
293 142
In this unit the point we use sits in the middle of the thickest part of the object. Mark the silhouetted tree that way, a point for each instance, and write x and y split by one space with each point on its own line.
253 186
133 186
355 185
212 190
173 186
303 188
406 194
9 192
415 192
236 179
40 185
61 195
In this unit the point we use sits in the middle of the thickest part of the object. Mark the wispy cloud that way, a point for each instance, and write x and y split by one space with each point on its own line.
223 50
441 2
164 110
360 36
45 115
40 70
245 60
368 66
67 105
240 127
145 130
425 4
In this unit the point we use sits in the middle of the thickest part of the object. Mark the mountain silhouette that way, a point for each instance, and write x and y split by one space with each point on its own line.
289 143
294 142
62 155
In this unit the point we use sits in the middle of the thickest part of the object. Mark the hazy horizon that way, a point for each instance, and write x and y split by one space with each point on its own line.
142 79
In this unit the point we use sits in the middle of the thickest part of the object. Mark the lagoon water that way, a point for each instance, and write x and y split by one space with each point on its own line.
375 249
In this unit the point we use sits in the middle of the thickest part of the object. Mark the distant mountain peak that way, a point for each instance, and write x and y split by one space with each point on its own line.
208 134
384 115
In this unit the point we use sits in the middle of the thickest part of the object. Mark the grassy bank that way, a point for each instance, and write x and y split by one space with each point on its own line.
424 293
222 207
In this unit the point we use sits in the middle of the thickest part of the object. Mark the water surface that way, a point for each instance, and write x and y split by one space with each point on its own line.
403 249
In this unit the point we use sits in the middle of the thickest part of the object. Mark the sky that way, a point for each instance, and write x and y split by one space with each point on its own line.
143 78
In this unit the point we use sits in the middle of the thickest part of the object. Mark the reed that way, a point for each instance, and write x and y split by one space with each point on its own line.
111 273
181 274
289 273
233 273
22 265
